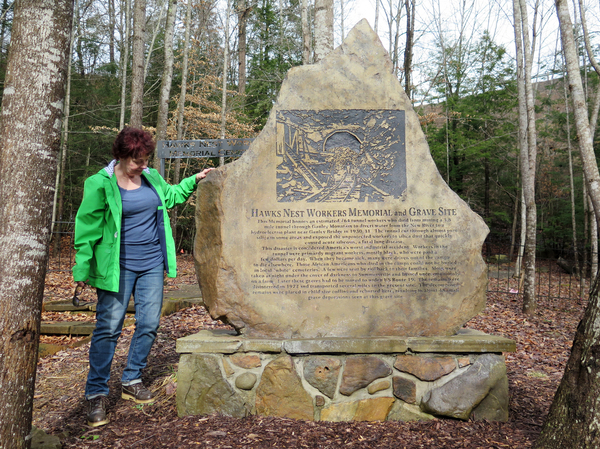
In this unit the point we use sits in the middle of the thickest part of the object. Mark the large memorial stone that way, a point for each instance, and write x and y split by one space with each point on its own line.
336 221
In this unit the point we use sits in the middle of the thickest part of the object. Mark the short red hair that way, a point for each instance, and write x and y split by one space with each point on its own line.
133 143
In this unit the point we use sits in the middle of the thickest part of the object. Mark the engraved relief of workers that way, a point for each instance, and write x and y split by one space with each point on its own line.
342 161
366 167
295 186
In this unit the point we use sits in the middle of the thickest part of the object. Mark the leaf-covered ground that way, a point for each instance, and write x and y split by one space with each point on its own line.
534 371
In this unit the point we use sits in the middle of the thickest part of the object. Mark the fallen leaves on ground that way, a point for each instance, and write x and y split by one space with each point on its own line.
543 345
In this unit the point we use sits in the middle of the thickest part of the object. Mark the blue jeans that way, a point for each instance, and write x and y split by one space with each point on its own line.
147 289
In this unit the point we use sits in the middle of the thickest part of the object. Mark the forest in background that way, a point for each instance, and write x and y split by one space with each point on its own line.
461 79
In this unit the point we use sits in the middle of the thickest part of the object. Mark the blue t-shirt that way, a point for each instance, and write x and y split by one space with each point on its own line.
140 245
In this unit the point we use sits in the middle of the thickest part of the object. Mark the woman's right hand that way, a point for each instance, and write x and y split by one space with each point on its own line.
203 174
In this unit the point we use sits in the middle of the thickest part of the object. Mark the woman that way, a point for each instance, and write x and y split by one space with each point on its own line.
124 245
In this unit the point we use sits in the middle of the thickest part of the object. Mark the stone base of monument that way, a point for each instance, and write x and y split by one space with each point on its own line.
345 379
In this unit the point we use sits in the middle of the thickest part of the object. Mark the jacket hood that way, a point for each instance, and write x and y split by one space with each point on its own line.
110 169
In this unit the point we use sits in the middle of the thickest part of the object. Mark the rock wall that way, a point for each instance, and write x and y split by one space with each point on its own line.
238 381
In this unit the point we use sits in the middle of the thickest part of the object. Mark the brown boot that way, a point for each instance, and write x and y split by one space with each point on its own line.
97 411
137 393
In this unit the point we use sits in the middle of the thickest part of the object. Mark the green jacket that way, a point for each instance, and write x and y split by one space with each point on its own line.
98 226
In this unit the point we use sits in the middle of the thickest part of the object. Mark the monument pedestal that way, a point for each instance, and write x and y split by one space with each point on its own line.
344 379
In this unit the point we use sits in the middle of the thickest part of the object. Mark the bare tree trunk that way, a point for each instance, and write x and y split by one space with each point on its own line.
33 97
513 229
447 134
167 77
125 62
593 122
529 299
594 240
442 43
390 33
574 416
396 57
408 48
157 29
225 65
522 238
184 75
376 16
595 109
111 31
587 218
571 183
580 112
342 18
243 13
137 70
591 236
527 140
57 209
279 25
78 47
323 28
181 107
306 35
486 190
3 25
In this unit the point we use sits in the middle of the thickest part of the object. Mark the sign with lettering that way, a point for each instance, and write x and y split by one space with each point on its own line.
324 252
336 221
179 149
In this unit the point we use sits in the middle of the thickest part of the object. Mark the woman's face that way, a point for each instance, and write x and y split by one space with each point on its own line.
135 166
